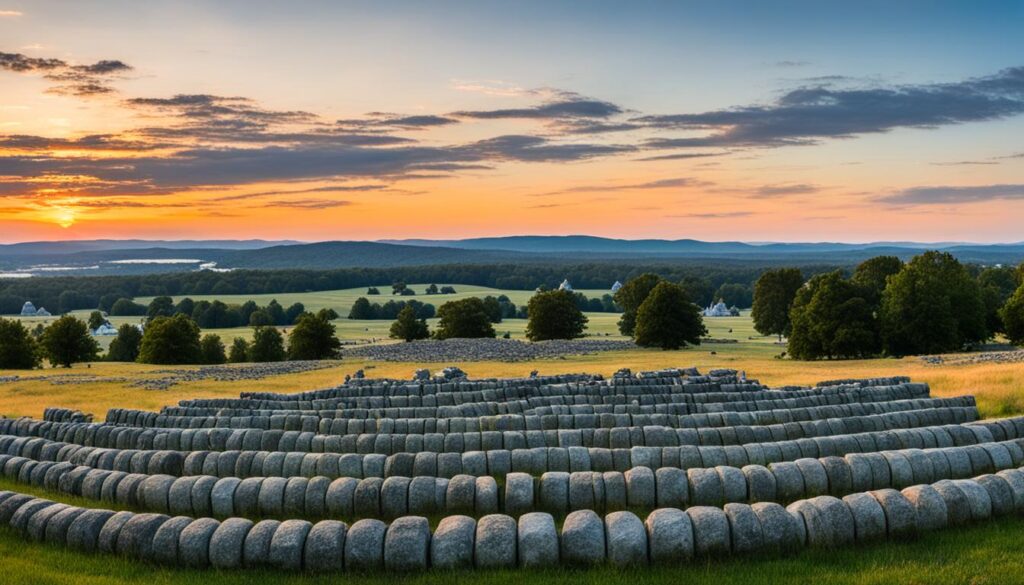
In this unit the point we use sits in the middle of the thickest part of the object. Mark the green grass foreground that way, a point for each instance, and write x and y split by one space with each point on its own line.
981 554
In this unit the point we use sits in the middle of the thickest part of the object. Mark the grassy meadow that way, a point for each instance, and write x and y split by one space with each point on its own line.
982 554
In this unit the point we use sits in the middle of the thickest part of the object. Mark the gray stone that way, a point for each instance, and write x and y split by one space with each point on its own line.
705 486
340 494
868 517
394 497
640 489
451 546
929 506
194 542
840 476
288 543
486 495
815 478
222 497
744 528
518 493
710 531
136 536
256 550
779 530
407 544
228 542
902 473
421 495
789 482
978 498
999 493
900 516
165 542
179 496
582 540
958 509
734 483
460 496
839 518
760 483
295 497
84 532
816 525
495 545
860 472
673 491
614 484
538 541
364 545
325 547
21 517
271 497
1015 479
154 492
669 536
107 540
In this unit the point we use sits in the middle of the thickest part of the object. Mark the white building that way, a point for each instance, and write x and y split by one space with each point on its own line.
105 329
28 309
717 310
616 287
565 285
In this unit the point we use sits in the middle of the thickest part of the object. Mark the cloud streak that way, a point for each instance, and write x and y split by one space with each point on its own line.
949 194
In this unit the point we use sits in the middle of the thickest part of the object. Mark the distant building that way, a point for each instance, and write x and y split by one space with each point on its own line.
105 329
717 310
616 287
565 285
42 312
30 310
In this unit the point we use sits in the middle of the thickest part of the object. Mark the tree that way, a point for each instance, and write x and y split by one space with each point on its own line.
373 291
631 296
260 318
832 319
1012 317
312 338
668 319
698 289
67 341
245 312
125 347
170 340
126 308
407 327
463 318
554 315
933 305
361 309
185 306
276 312
239 351
873 274
398 288
96 320
432 289
493 308
211 350
267 345
997 286
774 292
160 307
327 314
18 349
447 290
292 313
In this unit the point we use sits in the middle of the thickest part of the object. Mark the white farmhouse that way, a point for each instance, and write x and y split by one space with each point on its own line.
105 329
717 310
28 309
565 285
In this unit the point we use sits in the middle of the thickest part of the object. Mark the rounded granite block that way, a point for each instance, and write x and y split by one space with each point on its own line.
136 536
779 529
421 499
669 536
901 473
325 547
959 463
194 542
640 488
958 509
706 487
789 482
495 545
407 544
295 497
625 539
840 476
228 543
582 541
394 497
672 488
816 526
486 501
179 496
451 546
614 483
154 491
256 550
734 483
860 472
814 476
20 518
868 516
460 497
760 483
1015 479
106 542
978 498
339 500
999 492
288 544
84 531
36 527
538 540
839 518
900 516
364 545
270 501
710 531
744 528
316 497
165 541
518 493
202 491
929 506
920 466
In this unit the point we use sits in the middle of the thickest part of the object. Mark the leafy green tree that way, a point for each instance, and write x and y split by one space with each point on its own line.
873 274
554 315
160 307
96 319
18 349
373 291
127 308
1012 317
239 351
432 289
407 327
106 302
327 314
632 294
774 292
67 341
171 340
185 306
668 319
734 294
398 288
292 313
361 309
493 308
465 318
245 311
997 286
211 350
267 345
933 305
698 289
832 319
125 347
276 312
447 290
313 338
260 318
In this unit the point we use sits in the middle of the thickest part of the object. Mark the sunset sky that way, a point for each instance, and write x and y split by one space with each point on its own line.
307 120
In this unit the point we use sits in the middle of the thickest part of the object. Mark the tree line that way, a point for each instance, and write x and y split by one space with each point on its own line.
931 304
213 314
61 294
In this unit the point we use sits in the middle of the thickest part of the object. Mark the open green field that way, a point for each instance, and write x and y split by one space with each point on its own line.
981 554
